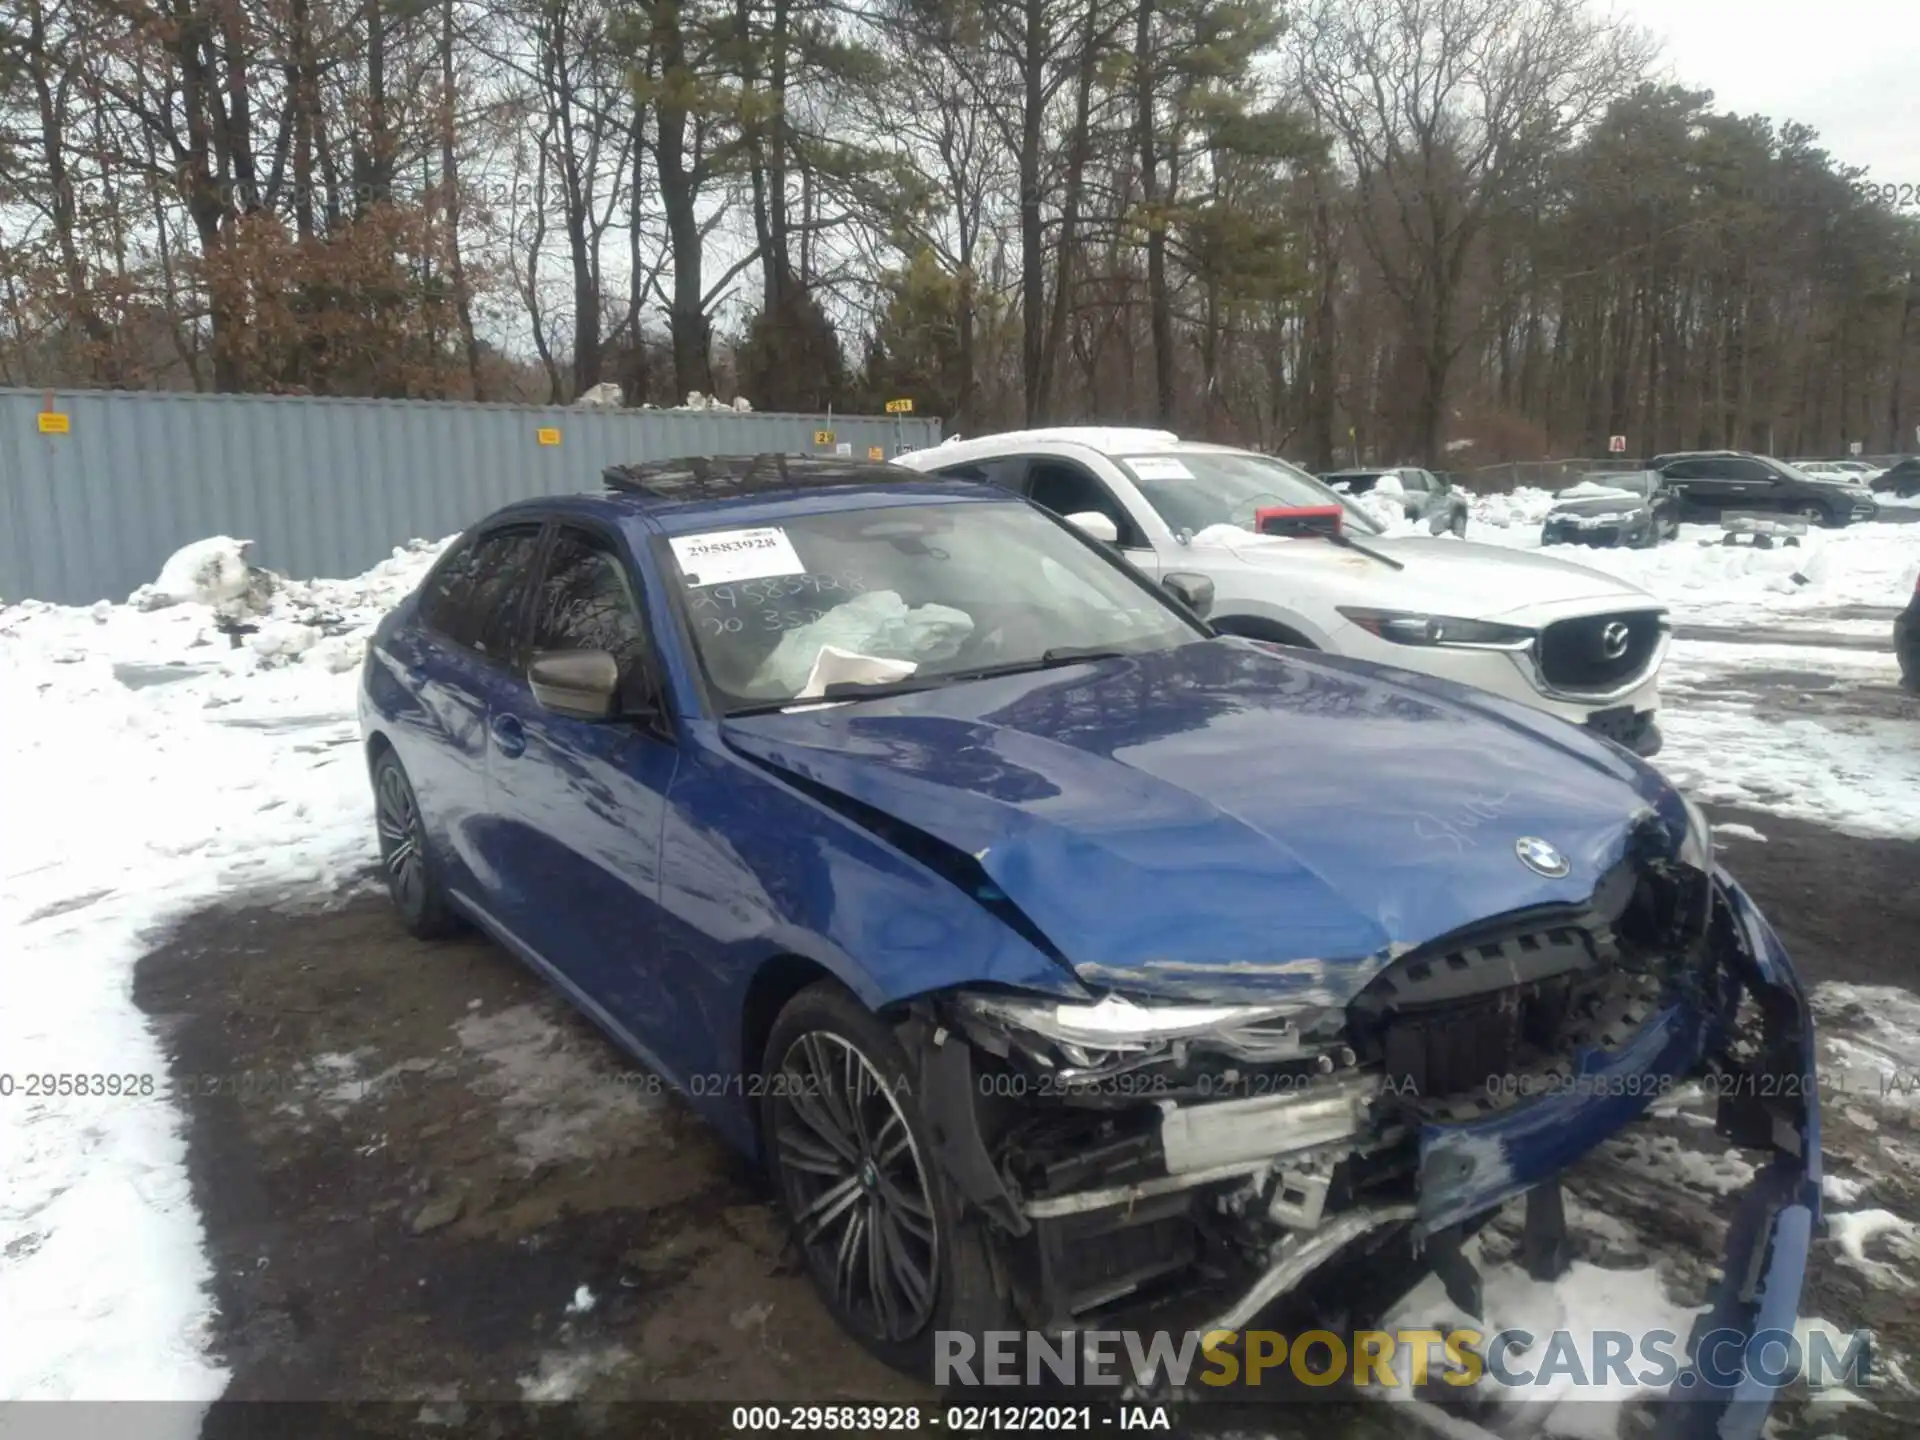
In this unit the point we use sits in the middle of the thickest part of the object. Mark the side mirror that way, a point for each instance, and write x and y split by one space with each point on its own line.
1094 525
583 684
1193 591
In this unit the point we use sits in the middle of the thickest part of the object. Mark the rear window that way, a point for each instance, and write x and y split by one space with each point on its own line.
475 596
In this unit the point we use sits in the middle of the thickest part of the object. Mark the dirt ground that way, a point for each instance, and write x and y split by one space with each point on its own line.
424 1180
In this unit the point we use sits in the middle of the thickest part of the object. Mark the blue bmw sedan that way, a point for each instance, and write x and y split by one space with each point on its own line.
1056 956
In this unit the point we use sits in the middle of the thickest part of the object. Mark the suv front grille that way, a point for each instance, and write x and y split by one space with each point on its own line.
1599 652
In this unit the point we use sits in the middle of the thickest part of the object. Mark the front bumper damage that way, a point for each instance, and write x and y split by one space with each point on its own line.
1197 1188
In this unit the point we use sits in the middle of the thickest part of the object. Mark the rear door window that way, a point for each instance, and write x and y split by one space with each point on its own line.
1069 489
477 597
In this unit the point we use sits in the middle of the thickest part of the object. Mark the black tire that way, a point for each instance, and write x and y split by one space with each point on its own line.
1460 523
1816 514
874 1159
406 860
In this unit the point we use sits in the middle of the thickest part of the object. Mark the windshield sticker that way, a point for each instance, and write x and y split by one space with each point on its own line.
1159 467
723 557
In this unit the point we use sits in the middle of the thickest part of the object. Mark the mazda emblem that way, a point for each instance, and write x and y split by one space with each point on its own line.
1541 857
1615 639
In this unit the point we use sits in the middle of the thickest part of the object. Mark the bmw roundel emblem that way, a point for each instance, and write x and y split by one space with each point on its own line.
1540 857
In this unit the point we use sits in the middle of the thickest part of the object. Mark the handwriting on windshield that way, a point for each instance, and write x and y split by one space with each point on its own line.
757 604
1455 827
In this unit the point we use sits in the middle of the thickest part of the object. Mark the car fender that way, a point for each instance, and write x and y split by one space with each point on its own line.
806 875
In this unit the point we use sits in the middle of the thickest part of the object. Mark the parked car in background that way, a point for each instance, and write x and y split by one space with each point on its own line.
1906 640
1900 479
1572 641
1862 470
1421 493
1061 961
1606 508
1711 483
1834 470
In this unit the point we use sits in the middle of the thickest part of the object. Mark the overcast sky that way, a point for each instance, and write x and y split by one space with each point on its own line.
1848 68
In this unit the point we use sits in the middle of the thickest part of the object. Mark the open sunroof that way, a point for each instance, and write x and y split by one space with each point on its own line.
719 477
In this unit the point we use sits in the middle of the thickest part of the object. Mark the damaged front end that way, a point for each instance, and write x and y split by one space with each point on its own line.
1134 1153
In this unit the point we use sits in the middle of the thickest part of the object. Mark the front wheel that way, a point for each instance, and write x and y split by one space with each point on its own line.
1814 515
872 1217
405 860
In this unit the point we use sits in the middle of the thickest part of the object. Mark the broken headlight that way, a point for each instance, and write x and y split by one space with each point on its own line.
1696 847
1089 1033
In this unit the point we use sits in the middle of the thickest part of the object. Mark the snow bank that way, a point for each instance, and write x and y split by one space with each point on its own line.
1706 582
1525 507
152 760
698 401
214 572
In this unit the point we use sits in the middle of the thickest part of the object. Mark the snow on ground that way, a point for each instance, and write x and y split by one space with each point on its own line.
1707 583
1522 508
149 766
1856 773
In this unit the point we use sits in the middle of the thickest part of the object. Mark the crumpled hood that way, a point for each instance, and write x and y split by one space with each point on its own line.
1442 575
1228 820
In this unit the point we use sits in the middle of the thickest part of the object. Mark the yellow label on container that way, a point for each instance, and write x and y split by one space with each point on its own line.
823 437
547 435
899 407
876 452
52 422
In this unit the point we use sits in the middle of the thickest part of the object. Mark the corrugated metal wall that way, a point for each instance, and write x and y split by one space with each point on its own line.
325 487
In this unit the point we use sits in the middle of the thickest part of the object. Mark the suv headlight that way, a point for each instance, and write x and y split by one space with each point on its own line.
1404 627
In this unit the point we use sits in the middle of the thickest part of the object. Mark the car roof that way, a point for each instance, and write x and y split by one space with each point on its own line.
1106 439
1111 441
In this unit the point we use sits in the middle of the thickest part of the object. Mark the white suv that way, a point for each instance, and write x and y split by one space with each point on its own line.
1565 639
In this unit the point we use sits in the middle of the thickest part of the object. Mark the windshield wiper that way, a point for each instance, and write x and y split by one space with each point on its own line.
1074 654
907 684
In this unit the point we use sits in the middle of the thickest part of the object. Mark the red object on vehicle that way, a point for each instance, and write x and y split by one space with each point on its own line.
1298 520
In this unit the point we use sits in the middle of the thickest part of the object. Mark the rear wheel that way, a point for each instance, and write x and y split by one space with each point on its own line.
1460 522
871 1214
405 860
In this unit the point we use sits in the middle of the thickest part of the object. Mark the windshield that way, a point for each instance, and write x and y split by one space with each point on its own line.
907 594
1194 489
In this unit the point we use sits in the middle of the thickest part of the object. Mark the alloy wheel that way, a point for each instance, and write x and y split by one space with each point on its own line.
398 821
856 1185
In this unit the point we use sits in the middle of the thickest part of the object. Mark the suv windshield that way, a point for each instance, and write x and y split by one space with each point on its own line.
905 597
1193 490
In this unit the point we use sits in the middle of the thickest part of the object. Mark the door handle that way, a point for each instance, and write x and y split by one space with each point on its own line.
509 737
